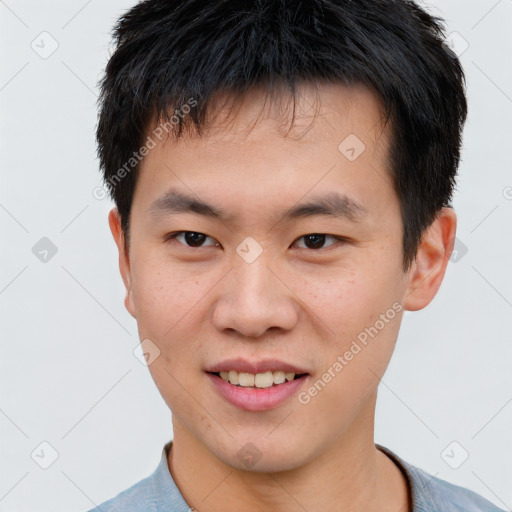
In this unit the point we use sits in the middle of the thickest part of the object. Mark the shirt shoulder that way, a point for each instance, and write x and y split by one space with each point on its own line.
432 494
137 498
453 498
155 493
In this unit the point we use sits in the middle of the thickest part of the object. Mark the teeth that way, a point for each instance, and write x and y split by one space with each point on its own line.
258 380
279 377
245 379
264 380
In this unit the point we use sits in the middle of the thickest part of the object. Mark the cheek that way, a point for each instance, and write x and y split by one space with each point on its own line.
165 298
173 311
352 367
168 306
361 309
349 299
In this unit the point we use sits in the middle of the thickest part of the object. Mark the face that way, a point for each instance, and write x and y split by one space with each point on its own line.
267 279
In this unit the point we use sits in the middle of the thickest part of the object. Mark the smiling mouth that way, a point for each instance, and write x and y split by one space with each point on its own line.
258 380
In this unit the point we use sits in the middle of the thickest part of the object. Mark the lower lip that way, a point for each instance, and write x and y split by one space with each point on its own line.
257 399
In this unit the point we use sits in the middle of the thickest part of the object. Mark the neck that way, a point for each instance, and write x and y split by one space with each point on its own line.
350 474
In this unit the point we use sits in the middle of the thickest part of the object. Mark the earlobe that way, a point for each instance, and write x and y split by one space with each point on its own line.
114 220
428 269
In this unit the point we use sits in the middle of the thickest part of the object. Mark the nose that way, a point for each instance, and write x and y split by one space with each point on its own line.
255 298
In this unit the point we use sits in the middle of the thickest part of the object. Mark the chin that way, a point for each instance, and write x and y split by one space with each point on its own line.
266 464
264 456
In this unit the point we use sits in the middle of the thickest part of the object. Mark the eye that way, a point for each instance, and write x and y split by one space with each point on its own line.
315 241
191 238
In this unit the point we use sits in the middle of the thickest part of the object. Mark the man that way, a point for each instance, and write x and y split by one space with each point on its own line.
282 173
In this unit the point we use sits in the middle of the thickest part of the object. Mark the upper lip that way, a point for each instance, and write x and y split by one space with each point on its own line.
265 365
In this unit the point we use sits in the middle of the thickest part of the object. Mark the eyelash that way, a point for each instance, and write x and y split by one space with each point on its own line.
340 239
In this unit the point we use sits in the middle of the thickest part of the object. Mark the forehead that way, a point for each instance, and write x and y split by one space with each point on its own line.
233 118
250 152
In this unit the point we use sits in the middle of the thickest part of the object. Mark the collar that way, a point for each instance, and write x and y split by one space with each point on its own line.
165 491
418 482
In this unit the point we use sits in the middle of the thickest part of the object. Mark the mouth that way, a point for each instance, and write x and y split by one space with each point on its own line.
258 380
257 392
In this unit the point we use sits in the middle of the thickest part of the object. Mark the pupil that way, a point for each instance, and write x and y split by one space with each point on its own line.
317 241
194 239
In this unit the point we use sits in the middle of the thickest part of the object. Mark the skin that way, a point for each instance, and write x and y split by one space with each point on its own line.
200 305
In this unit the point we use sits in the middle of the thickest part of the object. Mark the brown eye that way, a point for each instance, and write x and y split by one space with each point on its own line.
194 239
191 238
316 241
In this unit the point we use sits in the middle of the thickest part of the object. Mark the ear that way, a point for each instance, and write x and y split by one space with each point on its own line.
427 271
114 221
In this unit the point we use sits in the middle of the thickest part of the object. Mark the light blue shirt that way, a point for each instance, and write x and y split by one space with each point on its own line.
159 493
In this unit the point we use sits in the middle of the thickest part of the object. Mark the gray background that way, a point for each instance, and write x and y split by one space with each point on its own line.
69 375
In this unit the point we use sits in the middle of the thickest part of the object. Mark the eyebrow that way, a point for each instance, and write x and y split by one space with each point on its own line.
332 204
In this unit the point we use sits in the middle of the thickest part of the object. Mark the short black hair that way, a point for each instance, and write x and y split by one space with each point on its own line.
167 52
